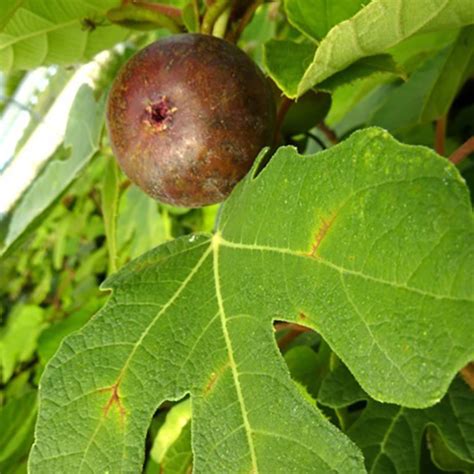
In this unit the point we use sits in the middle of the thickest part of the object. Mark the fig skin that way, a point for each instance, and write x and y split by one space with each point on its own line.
187 116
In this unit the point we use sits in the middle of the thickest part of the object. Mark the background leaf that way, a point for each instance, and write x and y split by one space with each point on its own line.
36 32
430 91
391 436
82 136
110 200
325 256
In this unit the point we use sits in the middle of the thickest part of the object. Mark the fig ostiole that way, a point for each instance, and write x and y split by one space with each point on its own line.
187 116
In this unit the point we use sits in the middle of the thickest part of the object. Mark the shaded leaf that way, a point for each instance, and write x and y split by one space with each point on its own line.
378 26
35 33
390 436
82 136
17 420
195 316
429 92
443 457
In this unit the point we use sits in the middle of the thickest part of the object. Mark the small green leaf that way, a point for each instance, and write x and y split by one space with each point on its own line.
378 26
286 62
19 337
315 18
110 200
82 136
190 19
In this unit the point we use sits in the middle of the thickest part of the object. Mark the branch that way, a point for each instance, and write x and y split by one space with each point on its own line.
462 152
213 12
467 373
440 138
329 132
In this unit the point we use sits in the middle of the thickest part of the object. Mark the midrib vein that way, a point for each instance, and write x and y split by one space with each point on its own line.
248 430
295 253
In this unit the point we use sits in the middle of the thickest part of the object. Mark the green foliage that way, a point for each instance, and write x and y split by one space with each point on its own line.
390 435
33 33
85 120
317 321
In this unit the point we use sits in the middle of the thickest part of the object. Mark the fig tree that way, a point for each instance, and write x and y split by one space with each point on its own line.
187 116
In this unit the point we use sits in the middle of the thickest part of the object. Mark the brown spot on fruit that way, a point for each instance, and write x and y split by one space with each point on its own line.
187 116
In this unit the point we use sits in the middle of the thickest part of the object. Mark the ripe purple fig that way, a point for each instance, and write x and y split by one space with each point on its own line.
187 116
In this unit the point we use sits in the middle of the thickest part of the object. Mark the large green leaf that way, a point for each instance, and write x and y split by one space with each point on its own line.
316 17
390 436
36 32
82 137
369 243
378 26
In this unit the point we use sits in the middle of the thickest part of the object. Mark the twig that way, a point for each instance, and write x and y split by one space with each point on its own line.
197 13
462 152
234 35
331 136
467 373
440 138
213 12
294 331
316 139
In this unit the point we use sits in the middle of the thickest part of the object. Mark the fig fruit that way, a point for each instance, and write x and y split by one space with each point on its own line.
187 116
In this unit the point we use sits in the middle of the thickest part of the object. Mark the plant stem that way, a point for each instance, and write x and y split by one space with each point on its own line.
294 331
330 134
440 138
467 373
220 26
462 152
234 35
213 12
197 13
316 139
